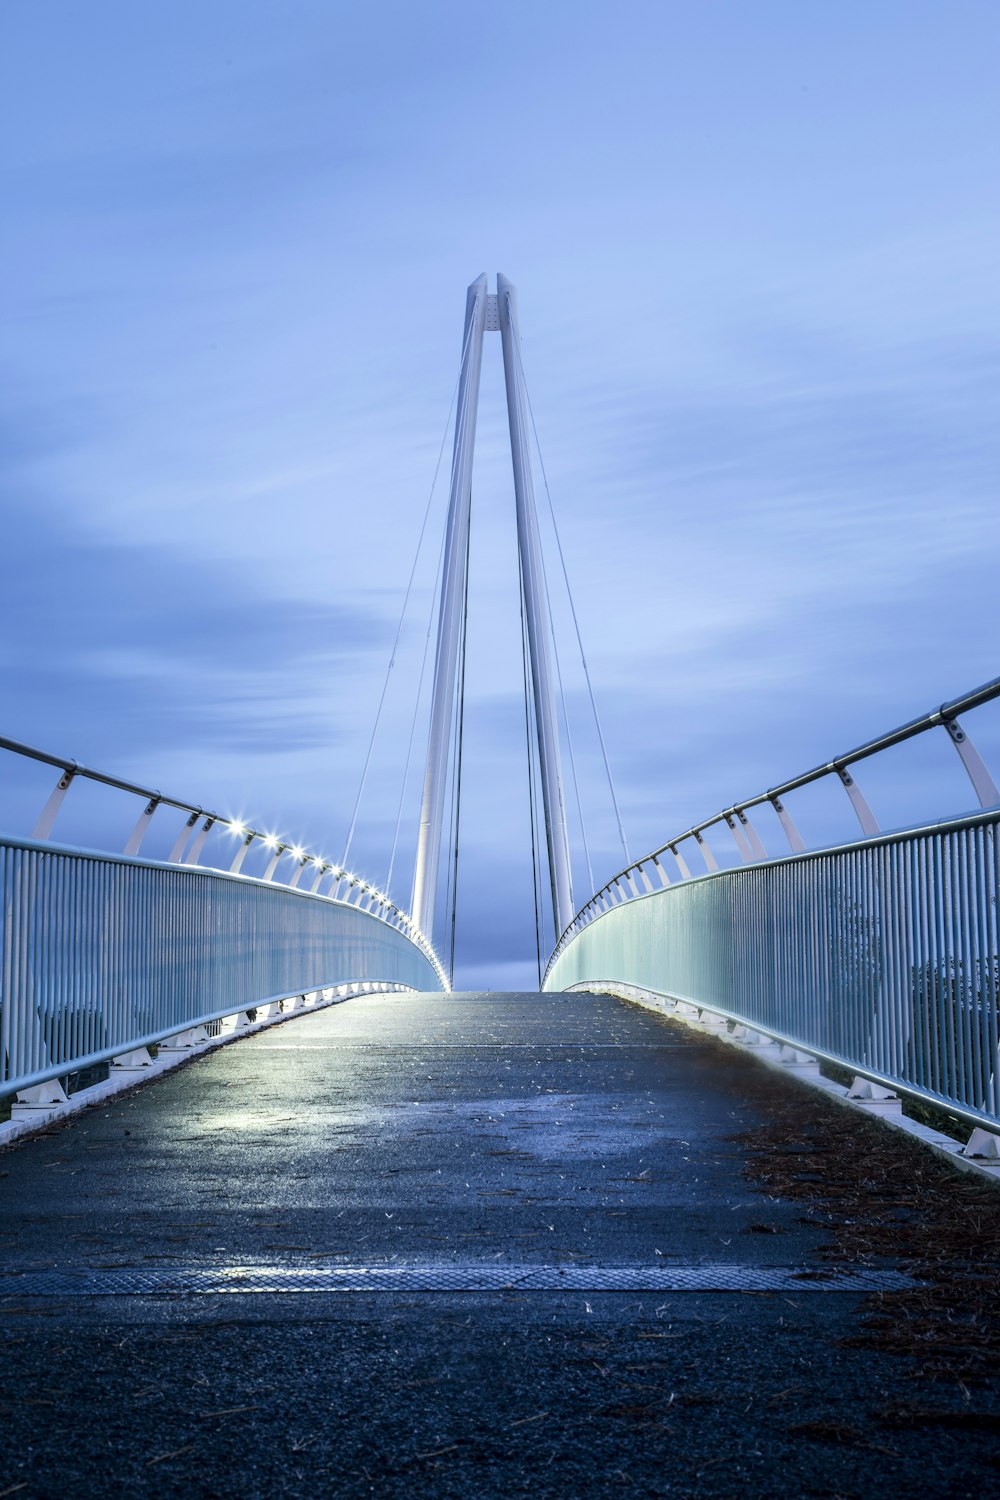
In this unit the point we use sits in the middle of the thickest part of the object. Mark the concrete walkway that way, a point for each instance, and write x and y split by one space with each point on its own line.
578 1286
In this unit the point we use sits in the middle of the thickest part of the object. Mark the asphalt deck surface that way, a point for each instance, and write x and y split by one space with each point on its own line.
456 1140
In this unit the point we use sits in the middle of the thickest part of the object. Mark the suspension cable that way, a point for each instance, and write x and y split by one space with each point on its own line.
416 713
569 746
572 606
439 584
406 600
562 696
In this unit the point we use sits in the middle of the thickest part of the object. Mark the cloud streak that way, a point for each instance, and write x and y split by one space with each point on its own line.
757 283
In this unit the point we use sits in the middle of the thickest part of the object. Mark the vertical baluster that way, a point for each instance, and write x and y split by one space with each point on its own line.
992 908
939 1042
943 984
978 888
916 1067
958 966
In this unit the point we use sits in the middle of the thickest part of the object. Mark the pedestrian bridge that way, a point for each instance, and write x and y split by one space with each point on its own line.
377 1237
447 1244
880 957
368 1235
877 957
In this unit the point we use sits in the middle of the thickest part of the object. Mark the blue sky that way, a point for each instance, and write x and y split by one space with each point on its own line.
756 251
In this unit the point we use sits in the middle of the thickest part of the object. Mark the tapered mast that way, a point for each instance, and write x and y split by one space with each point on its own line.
496 312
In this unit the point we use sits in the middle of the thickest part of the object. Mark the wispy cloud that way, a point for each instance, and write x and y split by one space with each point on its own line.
757 279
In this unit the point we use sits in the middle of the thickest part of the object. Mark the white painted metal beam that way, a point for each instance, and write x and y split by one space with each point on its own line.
536 608
454 585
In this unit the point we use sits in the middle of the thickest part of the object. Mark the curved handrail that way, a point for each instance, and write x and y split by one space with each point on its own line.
188 846
624 885
103 954
880 955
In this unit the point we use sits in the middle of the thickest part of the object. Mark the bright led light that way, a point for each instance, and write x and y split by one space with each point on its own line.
297 851
238 828
270 842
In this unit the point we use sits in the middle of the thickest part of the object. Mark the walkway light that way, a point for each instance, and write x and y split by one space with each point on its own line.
270 841
238 828
297 851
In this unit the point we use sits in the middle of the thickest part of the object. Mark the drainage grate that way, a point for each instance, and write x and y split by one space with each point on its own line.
194 1280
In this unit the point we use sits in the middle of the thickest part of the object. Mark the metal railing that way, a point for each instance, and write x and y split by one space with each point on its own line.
188 847
882 956
636 879
103 954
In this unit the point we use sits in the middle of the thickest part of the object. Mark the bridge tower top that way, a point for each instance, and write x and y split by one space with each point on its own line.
491 312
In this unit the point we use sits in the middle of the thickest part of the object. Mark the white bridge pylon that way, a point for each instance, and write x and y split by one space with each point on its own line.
487 312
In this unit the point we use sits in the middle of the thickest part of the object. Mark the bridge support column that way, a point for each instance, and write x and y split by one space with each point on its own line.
751 1038
873 1097
984 1145
496 313
136 1061
39 1099
536 610
710 1020
797 1060
454 584
183 1041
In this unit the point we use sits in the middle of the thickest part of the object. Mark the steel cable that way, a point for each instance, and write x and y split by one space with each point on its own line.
572 606
558 666
406 600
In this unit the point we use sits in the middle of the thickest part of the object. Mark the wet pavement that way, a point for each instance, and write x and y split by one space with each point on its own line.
494 1162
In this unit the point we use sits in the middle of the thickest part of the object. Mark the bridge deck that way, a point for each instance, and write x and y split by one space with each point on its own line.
579 1286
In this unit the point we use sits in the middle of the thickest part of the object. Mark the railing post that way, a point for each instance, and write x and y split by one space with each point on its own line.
752 836
47 817
738 838
983 784
174 857
792 834
867 819
706 853
138 833
241 854
198 842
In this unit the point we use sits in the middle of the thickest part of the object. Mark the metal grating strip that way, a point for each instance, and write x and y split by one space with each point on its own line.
200 1280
